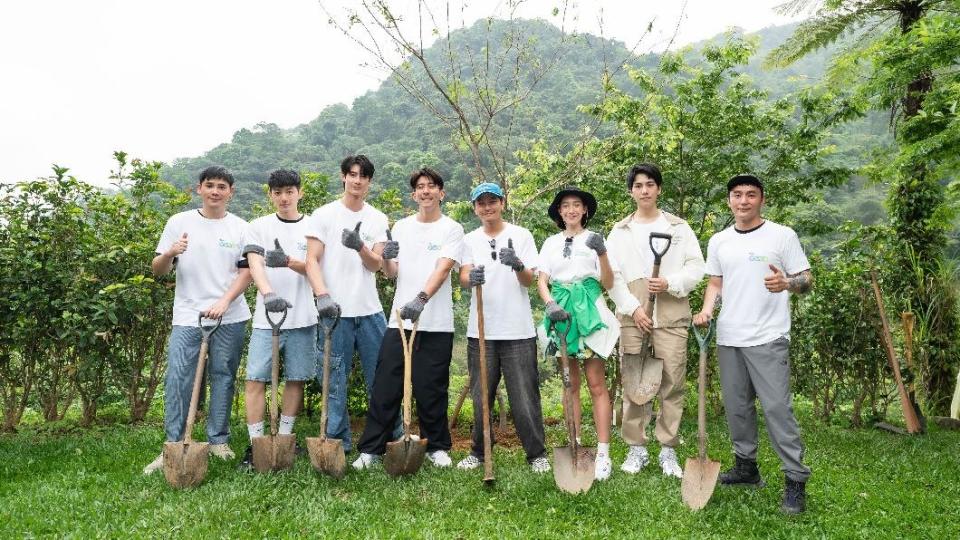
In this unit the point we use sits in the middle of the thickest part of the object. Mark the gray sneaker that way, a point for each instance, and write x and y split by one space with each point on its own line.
366 461
469 462
637 458
540 465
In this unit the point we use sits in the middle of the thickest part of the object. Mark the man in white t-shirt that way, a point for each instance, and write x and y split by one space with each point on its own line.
345 240
502 257
752 266
204 246
681 269
276 250
424 248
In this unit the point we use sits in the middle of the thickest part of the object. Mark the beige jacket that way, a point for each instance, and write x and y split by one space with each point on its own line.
682 266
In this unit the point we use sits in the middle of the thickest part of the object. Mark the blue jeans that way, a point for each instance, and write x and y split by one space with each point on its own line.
360 334
223 358
298 353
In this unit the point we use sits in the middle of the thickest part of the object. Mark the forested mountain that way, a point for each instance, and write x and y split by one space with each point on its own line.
399 134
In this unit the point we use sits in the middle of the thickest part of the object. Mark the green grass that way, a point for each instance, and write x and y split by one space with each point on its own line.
87 483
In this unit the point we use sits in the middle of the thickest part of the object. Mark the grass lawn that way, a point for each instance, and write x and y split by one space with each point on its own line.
87 483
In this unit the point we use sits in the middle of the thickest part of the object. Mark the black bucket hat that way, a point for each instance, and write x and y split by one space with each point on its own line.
588 200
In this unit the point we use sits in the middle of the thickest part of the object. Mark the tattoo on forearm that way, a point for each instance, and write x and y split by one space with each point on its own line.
800 283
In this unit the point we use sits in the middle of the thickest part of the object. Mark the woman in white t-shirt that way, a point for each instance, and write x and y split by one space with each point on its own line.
574 271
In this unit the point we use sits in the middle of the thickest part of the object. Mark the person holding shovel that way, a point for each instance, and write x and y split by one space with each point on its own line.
574 270
754 265
205 248
276 250
681 269
502 258
423 250
345 242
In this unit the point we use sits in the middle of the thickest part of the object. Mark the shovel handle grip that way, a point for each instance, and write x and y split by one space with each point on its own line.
275 325
658 254
206 332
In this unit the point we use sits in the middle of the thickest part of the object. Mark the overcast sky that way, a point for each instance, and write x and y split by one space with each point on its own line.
174 78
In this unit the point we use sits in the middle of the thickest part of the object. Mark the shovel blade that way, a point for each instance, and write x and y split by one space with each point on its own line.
573 476
273 452
185 465
641 380
327 456
404 457
699 481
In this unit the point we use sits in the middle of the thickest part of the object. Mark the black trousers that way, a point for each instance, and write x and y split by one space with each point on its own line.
431 379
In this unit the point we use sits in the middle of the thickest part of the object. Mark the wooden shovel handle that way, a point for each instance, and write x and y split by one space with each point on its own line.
702 406
274 381
325 386
484 397
197 383
407 371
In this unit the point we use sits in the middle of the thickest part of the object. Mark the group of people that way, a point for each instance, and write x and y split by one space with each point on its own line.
324 266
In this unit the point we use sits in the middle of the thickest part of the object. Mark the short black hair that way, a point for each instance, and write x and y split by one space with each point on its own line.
429 173
744 180
284 178
366 166
216 172
647 169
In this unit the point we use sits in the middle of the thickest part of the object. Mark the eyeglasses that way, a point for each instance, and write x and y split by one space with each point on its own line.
567 244
493 249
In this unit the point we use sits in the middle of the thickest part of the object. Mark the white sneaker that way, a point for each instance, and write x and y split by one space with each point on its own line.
603 468
469 462
440 458
540 465
154 465
637 458
365 461
668 462
222 451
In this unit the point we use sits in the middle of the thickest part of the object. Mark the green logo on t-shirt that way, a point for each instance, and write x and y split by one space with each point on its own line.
753 257
228 244
433 247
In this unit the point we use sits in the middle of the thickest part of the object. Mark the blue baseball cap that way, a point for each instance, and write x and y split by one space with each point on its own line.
486 187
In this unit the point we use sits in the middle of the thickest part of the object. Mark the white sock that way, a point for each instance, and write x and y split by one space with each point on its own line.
603 448
255 430
286 424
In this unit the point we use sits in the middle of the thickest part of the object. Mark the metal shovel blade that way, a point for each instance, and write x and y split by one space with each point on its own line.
573 476
185 464
699 481
404 456
273 452
327 456
641 380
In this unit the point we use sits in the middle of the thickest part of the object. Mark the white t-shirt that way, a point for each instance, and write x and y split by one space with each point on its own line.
506 303
209 265
581 263
421 245
350 283
750 314
291 286
640 232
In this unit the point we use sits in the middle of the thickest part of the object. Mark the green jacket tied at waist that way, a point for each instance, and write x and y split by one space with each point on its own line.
579 299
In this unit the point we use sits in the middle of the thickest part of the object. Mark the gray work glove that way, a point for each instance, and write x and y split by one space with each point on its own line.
276 258
351 239
411 310
326 307
476 276
509 257
556 313
595 242
274 303
391 248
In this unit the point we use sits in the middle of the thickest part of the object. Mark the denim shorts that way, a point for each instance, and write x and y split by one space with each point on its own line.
298 354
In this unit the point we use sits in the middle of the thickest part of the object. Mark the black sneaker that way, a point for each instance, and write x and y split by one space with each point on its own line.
743 473
794 497
299 450
246 463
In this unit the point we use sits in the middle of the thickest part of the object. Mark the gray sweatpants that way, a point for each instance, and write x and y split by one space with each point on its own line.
762 371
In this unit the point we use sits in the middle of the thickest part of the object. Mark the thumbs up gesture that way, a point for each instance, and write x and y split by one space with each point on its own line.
179 246
351 239
509 257
276 258
776 281
391 248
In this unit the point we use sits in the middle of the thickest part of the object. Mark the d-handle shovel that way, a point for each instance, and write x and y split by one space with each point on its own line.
641 380
274 452
484 398
326 455
185 462
700 473
573 466
405 456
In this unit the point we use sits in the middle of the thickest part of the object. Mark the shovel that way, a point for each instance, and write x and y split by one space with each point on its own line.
326 455
484 398
274 452
700 473
406 455
185 462
573 465
641 380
